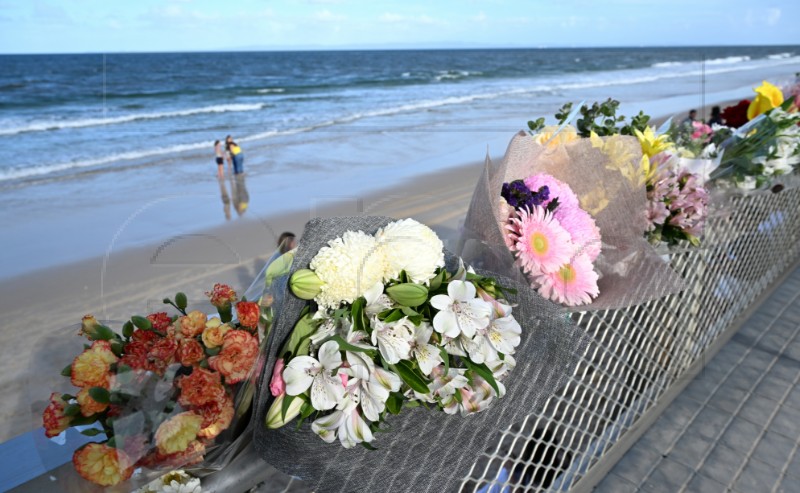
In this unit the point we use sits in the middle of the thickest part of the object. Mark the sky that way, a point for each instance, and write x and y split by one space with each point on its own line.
106 26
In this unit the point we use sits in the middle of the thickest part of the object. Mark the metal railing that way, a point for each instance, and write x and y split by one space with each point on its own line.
642 356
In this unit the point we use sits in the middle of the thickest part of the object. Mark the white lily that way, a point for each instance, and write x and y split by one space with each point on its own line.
393 339
427 355
303 372
377 300
359 365
460 312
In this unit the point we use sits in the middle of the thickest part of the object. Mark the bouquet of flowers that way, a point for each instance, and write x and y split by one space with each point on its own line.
381 328
553 239
767 147
165 392
389 329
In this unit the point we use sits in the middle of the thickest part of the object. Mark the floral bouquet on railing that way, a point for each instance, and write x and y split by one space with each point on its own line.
408 334
166 392
594 231
385 340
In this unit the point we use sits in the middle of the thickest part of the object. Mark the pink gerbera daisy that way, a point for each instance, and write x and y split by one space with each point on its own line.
575 283
542 244
558 189
582 229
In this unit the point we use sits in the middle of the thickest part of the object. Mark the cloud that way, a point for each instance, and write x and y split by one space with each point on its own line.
392 18
328 16
480 17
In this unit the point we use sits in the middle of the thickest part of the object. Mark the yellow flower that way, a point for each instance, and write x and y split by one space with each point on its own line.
175 434
88 405
91 368
214 333
767 97
101 464
620 157
652 144
566 135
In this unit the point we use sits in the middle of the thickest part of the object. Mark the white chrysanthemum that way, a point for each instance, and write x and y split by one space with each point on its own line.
412 247
348 267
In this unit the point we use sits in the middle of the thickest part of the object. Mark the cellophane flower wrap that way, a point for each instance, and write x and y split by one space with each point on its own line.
169 390
388 353
607 177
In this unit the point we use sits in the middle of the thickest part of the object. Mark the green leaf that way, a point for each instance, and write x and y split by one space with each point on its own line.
395 402
357 312
438 280
67 371
180 301
67 397
346 346
482 371
412 377
116 347
72 410
91 432
287 401
83 420
307 410
141 322
299 338
213 351
100 395
368 446
127 329
393 316
112 442
446 359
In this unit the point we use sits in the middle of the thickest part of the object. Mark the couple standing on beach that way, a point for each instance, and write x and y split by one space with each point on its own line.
232 153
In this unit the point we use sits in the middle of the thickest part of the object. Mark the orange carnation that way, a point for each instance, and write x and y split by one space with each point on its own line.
91 367
190 352
192 455
53 418
200 388
248 313
222 295
88 323
217 417
136 355
163 353
88 405
193 323
239 353
101 464
160 321
175 434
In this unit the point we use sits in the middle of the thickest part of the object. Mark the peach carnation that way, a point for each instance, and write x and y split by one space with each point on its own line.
239 353
88 323
200 388
193 323
248 313
192 455
214 333
91 367
190 352
88 405
101 464
221 296
53 419
217 417
175 434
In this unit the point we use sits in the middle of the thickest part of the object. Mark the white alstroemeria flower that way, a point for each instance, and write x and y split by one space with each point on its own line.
446 385
502 367
460 312
504 333
349 427
303 372
393 339
326 427
375 392
377 300
478 347
454 347
359 365
326 329
427 355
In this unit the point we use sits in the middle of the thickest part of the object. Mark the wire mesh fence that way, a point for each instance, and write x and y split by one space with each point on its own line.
640 352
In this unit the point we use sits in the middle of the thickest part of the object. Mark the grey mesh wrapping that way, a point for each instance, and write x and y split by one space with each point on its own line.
425 450
631 272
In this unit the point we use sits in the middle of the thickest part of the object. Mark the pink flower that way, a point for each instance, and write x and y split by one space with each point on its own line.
558 189
575 283
277 386
582 229
701 131
543 245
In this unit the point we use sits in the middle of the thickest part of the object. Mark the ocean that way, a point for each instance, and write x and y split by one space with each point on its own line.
93 137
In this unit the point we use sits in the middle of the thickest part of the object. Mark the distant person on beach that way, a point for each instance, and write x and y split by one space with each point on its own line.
716 116
286 242
236 155
219 152
691 118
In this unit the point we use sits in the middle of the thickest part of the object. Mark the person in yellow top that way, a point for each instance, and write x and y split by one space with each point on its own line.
236 155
